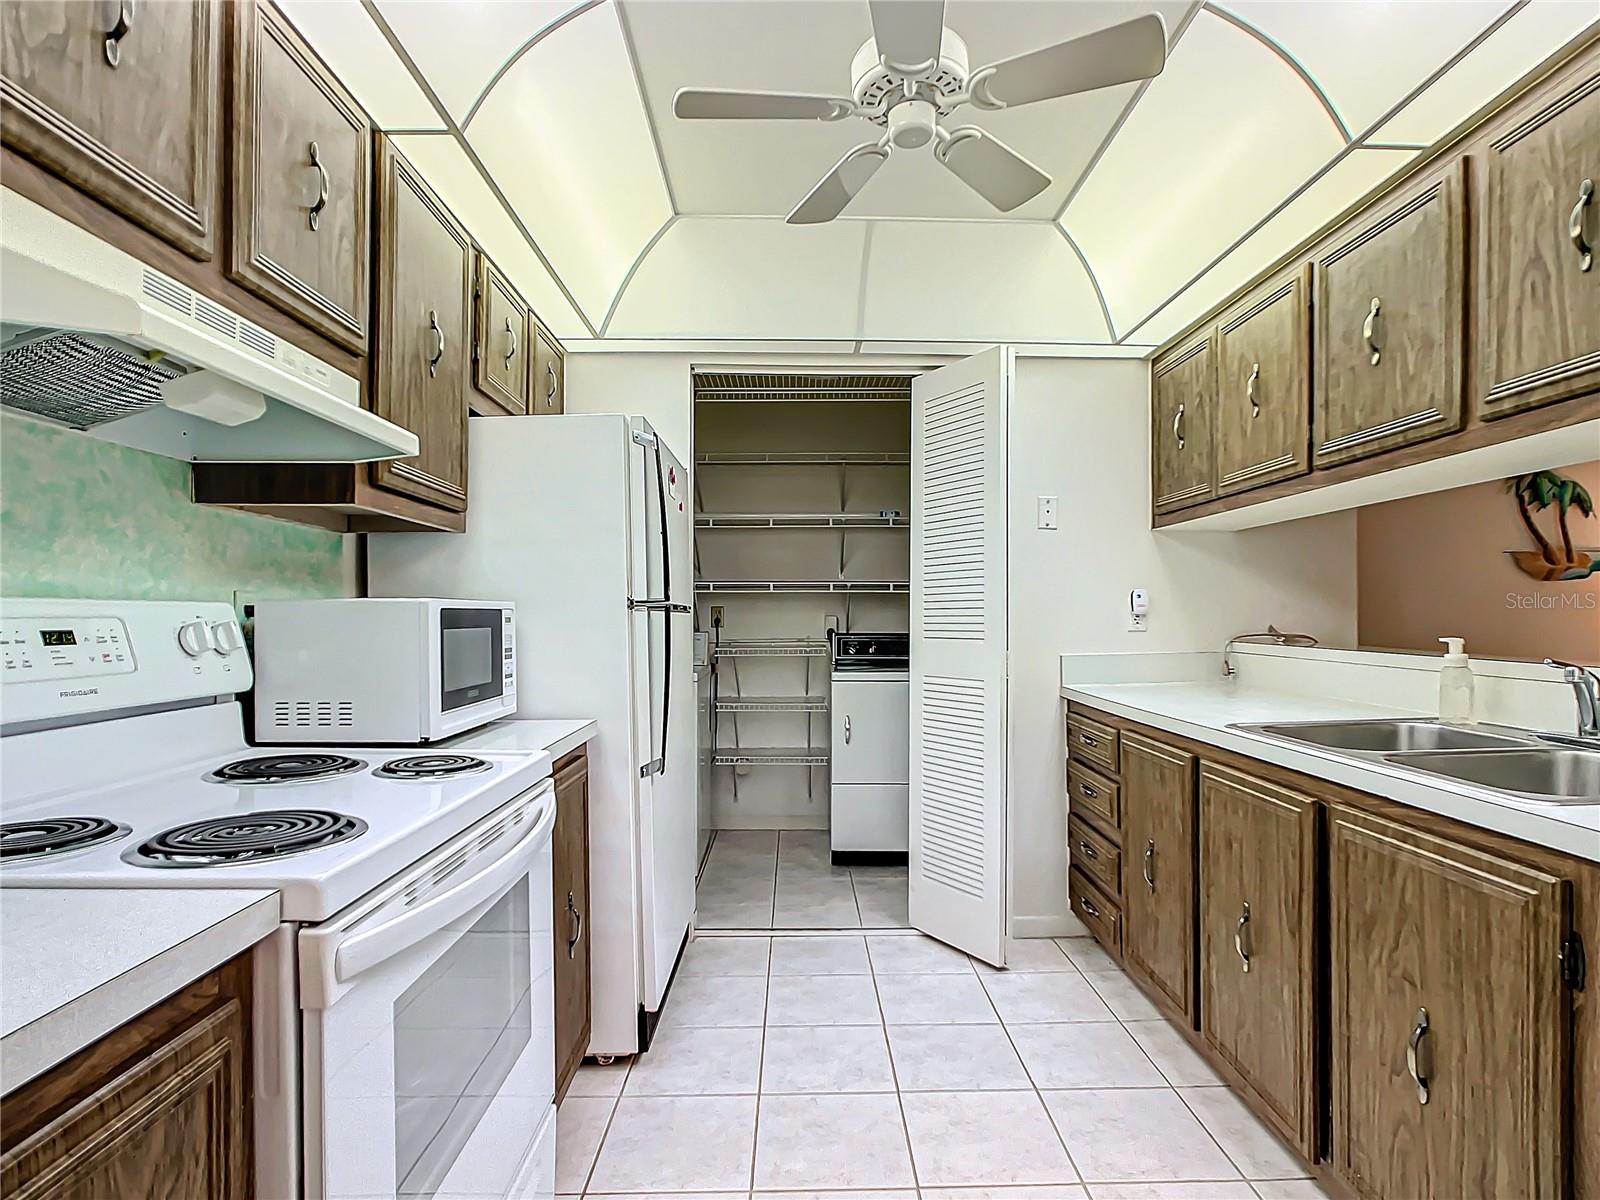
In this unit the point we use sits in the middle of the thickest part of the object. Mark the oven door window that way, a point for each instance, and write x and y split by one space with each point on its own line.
470 652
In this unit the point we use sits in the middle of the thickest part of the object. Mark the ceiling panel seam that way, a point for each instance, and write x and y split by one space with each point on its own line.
506 66
455 130
861 285
1277 47
1348 149
644 103
638 262
1365 145
1007 221
1127 111
1094 281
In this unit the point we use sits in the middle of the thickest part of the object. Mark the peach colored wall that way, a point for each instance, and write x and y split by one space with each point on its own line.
1435 565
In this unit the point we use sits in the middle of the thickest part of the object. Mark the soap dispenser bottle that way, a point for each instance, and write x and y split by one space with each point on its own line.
1455 683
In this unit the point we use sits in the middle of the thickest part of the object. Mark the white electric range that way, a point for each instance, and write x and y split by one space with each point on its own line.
404 1010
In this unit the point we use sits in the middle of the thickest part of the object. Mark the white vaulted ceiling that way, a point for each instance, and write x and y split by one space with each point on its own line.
547 127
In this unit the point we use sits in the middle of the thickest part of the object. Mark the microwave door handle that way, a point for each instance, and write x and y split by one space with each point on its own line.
365 950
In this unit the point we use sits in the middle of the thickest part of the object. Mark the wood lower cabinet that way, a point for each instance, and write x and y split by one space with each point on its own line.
548 389
1450 1020
1538 251
501 349
1158 896
1182 390
1258 942
158 1108
571 907
1263 397
122 101
299 179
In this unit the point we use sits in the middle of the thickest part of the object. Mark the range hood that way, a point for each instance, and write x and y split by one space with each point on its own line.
93 339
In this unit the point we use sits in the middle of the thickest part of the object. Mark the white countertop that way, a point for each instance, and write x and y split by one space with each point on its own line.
555 738
76 964
1202 711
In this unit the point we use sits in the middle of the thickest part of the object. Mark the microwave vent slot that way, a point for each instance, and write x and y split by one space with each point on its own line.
313 714
81 380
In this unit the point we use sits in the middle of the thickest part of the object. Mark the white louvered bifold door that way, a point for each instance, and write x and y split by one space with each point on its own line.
958 655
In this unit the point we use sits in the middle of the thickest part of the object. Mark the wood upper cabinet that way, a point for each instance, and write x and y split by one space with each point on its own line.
1391 325
1182 389
121 100
1450 1021
548 391
501 352
570 841
1158 838
299 180
1258 952
422 351
1538 250
1263 398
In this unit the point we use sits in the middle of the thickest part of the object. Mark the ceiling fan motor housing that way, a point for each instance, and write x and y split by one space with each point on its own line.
874 83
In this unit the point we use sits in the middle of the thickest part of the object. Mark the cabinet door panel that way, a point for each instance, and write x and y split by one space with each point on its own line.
302 235
1391 326
500 358
1424 926
419 378
1263 404
1182 388
1538 303
571 908
547 393
1258 941
1158 913
132 119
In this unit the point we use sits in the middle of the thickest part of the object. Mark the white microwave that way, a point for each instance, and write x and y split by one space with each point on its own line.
403 671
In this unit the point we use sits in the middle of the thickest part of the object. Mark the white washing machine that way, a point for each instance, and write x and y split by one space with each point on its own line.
871 744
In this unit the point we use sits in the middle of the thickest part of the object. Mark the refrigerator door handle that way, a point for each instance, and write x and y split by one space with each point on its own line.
657 605
663 604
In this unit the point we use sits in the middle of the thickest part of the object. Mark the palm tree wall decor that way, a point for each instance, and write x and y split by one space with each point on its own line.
1535 493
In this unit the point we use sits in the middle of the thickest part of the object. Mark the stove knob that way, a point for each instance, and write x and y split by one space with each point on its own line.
194 638
227 637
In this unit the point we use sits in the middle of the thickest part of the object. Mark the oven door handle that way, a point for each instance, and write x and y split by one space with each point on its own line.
364 950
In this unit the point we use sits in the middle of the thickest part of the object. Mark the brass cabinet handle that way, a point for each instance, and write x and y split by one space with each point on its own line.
1414 1053
114 35
1250 389
314 214
1150 864
1088 849
1088 791
550 384
1088 739
1369 329
577 926
1575 225
1177 428
1238 937
438 343
1088 906
511 333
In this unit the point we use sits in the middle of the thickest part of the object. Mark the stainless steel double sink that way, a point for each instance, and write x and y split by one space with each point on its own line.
1517 762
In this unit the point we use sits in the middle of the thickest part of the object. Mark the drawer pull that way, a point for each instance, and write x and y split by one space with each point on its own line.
1088 906
1177 433
1088 791
1150 864
1575 225
1089 739
1238 937
511 336
1369 329
314 213
117 32
438 343
577 927
1087 849
1250 390
1414 1053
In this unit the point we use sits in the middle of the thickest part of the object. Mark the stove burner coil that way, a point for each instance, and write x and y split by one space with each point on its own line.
286 768
252 837
48 836
431 766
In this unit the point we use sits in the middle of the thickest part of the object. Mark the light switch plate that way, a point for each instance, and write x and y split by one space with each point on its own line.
1047 513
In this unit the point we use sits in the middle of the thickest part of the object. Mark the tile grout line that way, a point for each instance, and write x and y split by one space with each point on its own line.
761 1071
894 1072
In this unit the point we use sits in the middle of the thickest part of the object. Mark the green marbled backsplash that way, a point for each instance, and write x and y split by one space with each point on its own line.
84 517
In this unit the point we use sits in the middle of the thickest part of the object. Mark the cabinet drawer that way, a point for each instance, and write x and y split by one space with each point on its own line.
547 391
1090 742
1095 855
1091 795
500 353
1102 916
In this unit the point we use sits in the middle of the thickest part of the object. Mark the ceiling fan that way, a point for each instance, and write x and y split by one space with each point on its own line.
912 72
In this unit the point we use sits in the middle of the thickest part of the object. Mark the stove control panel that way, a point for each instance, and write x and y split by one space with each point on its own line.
65 648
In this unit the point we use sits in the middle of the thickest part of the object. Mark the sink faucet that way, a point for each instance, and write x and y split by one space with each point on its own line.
1586 686
1272 637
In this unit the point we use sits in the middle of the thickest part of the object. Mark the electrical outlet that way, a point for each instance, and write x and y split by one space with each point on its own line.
1047 513
716 616
1138 623
830 624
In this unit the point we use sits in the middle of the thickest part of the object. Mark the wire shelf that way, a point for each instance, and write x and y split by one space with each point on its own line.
793 459
772 648
801 586
772 704
878 520
770 756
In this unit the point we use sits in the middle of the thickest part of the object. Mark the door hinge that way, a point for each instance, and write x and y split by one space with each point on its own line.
1574 966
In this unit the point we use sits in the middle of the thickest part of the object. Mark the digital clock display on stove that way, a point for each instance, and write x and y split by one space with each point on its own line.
58 637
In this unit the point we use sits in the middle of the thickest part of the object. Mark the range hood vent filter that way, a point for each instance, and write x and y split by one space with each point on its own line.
80 380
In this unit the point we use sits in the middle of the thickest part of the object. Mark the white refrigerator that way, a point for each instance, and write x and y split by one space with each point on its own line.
585 522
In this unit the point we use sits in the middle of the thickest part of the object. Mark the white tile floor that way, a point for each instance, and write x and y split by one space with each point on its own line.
764 879
886 1066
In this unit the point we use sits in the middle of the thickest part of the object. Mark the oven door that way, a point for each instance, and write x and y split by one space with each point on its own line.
429 1030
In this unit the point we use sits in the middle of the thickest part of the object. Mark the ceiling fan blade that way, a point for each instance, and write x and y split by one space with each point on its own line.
908 32
1135 49
991 168
716 104
840 185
